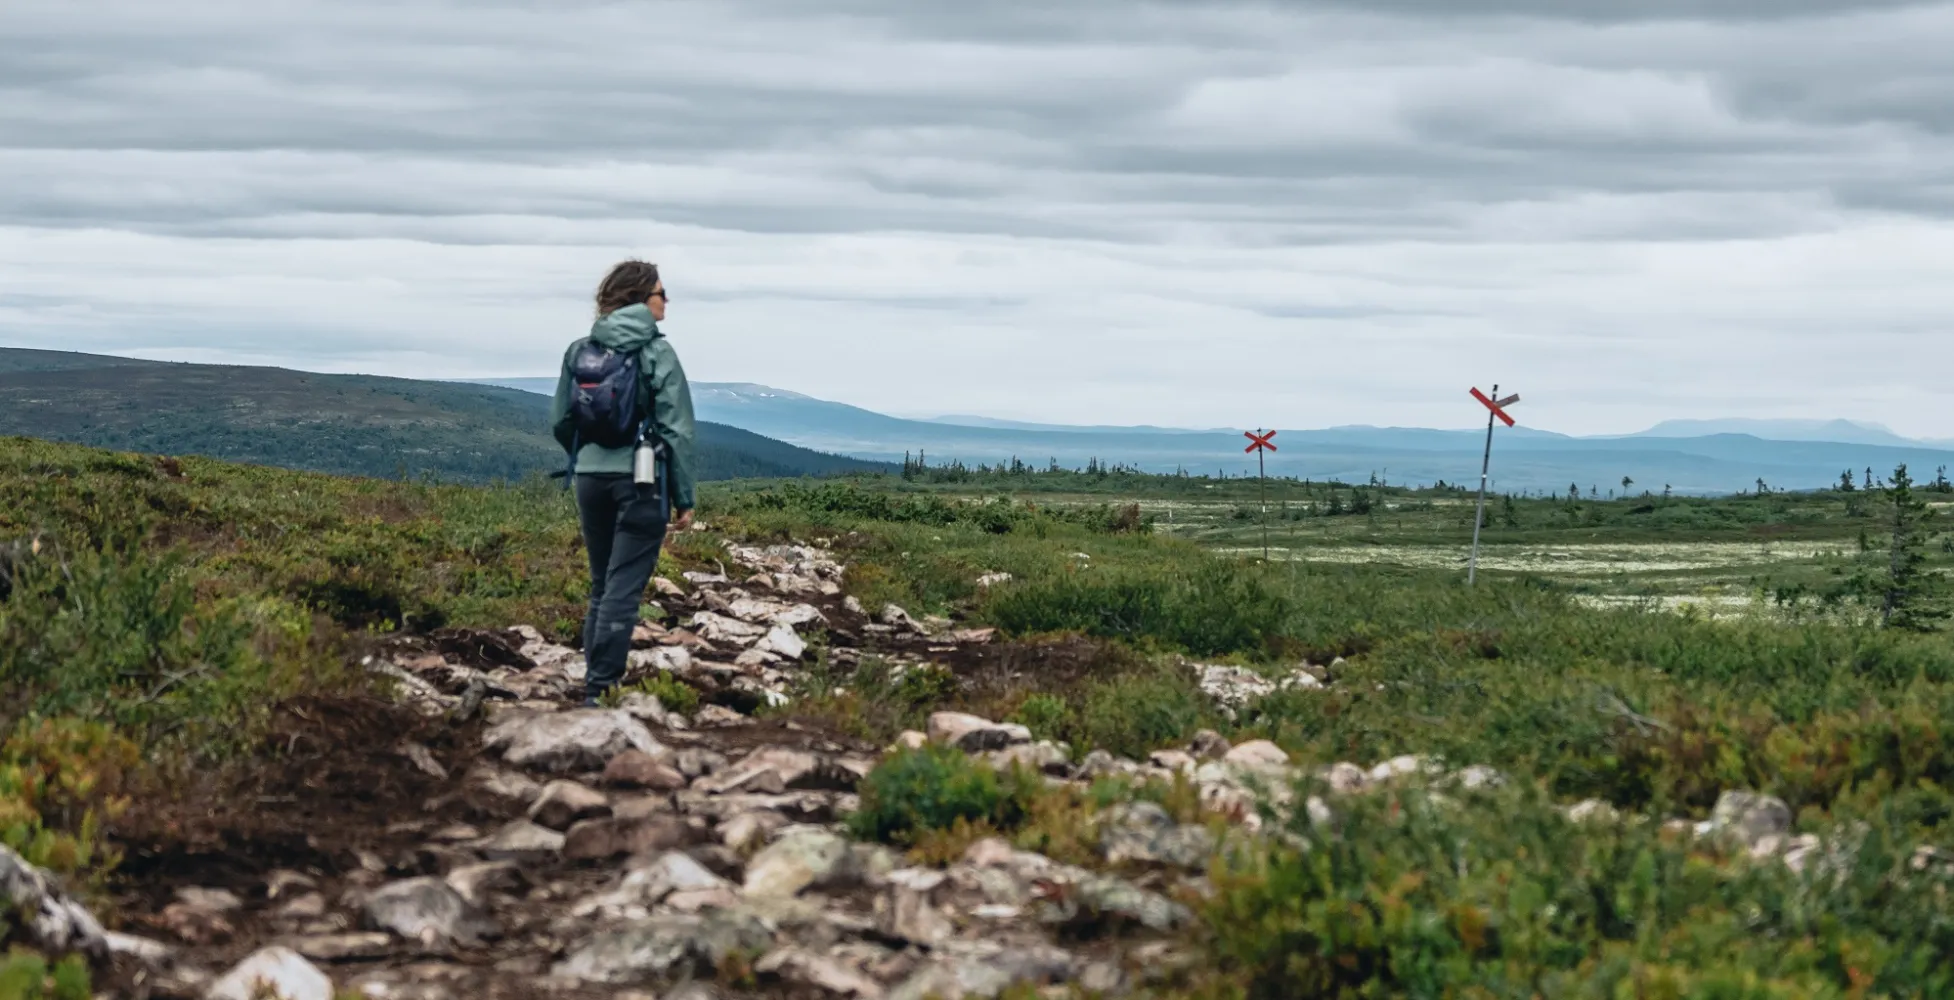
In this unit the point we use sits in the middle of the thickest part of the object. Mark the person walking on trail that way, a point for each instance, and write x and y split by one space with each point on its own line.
623 413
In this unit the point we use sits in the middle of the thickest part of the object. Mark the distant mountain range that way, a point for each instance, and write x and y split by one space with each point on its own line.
350 424
1712 456
482 429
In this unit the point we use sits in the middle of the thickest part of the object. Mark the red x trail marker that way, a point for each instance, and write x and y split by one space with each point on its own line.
1497 406
1259 442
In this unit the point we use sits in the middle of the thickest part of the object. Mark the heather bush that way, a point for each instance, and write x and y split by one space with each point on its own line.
914 791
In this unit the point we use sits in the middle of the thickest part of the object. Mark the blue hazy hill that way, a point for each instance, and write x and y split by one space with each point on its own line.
1525 458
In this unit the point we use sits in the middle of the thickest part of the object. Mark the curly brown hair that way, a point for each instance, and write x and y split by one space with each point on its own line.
629 283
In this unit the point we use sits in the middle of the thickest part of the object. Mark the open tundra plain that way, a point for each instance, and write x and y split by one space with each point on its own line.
954 735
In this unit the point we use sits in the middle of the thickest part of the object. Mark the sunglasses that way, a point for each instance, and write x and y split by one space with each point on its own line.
663 294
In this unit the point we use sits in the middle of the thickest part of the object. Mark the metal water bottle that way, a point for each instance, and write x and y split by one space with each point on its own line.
644 462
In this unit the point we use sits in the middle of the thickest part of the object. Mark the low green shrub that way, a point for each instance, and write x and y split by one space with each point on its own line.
1046 715
1411 894
837 502
1137 714
1209 607
25 975
915 791
674 694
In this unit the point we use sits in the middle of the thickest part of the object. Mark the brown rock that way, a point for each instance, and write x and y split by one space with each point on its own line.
493 792
753 779
341 947
646 635
565 802
194 925
637 769
600 839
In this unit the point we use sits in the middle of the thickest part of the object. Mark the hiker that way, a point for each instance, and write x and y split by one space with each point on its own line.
623 413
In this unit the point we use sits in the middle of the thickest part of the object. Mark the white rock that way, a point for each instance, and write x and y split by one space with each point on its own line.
749 830
565 802
521 840
1232 688
1591 811
799 614
1399 767
721 628
972 734
854 606
428 911
800 858
274 973
1173 760
565 741
1344 777
1257 755
644 708
50 919
1301 681
154 954
993 579
782 639
1750 817
674 659
797 965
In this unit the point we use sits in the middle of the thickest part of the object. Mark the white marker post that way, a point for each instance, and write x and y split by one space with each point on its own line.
1498 412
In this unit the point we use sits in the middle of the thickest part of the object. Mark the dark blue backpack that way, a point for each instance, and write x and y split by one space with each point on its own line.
604 396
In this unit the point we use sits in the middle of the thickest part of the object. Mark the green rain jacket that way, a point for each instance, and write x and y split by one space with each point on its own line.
627 329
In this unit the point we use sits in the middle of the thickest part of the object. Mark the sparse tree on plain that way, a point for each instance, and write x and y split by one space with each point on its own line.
1911 593
1845 482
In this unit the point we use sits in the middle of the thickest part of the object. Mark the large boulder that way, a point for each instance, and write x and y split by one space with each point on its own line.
984 969
802 857
565 802
801 967
585 739
1257 755
674 873
430 912
637 769
520 840
1749 817
618 836
974 734
665 945
1143 832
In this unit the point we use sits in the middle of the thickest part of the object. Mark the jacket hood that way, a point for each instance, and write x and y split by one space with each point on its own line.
626 329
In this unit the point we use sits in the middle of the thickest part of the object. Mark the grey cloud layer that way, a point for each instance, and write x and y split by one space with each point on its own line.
1437 171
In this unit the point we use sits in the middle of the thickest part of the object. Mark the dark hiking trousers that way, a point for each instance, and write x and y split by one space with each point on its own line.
623 529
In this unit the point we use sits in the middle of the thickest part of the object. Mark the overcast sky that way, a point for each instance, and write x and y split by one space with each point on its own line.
1194 213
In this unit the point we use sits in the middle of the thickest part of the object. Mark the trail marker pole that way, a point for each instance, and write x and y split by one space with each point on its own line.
1496 411
1259 443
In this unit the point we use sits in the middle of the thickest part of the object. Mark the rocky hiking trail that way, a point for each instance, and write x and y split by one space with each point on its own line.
483 838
